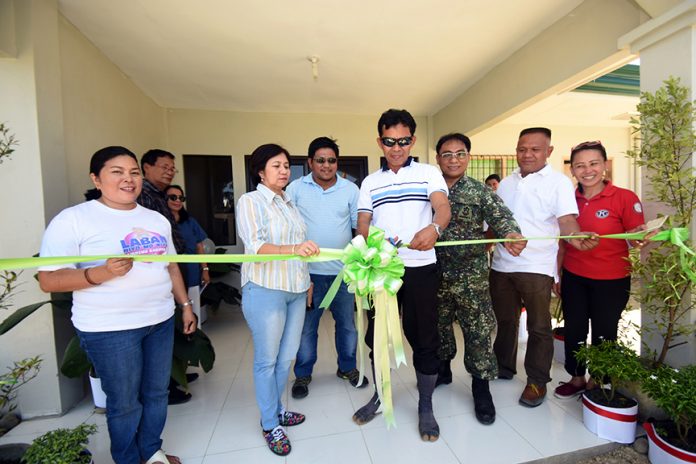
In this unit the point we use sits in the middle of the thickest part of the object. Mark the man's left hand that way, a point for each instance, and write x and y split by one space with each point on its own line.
424 239
515 248
584 244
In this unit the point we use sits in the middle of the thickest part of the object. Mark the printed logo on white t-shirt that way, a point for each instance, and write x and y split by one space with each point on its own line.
144 242
602 213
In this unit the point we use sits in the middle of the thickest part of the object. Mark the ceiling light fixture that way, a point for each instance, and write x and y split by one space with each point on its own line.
314 59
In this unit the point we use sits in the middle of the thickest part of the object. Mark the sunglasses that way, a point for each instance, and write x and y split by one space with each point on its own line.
584 145
324 160
173 197
461 154
390 141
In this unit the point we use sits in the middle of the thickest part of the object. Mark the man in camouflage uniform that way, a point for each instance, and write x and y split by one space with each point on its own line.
463 293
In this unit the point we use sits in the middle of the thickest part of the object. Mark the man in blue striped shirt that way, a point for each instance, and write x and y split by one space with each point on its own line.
328 204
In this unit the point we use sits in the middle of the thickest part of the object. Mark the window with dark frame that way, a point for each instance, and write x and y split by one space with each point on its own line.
210 195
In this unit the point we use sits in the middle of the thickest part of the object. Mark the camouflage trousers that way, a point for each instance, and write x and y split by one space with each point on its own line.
466 299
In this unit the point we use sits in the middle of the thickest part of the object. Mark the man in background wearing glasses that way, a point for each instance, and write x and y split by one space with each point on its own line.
463 294
328 204
400 198
159 170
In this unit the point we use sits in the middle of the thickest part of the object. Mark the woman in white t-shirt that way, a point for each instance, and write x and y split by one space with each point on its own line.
123 311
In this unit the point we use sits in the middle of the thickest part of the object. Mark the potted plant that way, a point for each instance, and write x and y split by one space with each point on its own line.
667 142
61 446
674 440
606 412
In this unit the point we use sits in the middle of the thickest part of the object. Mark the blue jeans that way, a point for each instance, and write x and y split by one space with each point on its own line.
343 311
134 367
275 319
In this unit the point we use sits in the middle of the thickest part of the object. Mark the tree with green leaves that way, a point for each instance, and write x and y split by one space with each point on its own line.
667 144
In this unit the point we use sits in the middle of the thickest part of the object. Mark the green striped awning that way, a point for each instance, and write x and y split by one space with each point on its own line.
622 81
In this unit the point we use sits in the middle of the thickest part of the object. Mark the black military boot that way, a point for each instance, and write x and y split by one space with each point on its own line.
483 401
444 374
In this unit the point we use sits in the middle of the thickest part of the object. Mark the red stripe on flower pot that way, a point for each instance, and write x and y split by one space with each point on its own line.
672 450
609 414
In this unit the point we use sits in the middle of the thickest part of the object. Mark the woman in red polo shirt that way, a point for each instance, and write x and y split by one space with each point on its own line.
595 283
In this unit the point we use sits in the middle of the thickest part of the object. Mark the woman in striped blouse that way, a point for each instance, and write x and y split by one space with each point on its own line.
274 293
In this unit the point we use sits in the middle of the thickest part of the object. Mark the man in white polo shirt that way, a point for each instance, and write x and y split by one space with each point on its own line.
543 204
400 198
329 206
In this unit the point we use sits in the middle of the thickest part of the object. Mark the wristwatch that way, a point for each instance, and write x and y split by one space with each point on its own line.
437 228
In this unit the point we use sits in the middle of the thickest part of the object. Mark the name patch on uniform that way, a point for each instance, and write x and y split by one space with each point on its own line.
602 213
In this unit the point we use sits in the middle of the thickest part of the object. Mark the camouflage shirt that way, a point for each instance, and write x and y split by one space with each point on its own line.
472 203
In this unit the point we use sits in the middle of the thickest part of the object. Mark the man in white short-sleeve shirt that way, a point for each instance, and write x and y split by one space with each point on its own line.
543 204
408 200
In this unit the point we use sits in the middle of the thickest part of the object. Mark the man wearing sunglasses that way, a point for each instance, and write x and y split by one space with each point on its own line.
463 294
408 200
328 204
543 204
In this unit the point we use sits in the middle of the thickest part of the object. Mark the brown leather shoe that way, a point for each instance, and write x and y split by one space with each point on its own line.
533 395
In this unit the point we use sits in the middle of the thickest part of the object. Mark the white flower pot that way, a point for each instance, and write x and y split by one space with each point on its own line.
559 348
615 424
97 393
662 452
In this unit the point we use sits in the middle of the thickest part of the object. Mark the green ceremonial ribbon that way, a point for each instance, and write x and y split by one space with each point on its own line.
327 254
372 270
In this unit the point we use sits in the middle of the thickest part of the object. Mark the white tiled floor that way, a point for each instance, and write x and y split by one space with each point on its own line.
220 425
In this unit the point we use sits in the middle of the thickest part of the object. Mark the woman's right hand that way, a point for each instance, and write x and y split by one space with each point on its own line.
307 248
118 266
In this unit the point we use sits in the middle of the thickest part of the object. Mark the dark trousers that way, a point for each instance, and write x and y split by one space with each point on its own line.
584 300
509 292
418 305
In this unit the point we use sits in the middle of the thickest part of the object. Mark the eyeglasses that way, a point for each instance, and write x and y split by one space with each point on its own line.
173 197
390 141
167 167
324 160
584 145
461 154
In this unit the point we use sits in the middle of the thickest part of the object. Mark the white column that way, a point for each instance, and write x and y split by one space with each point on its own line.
34 183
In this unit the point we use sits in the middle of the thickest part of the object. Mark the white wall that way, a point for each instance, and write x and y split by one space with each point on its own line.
101 107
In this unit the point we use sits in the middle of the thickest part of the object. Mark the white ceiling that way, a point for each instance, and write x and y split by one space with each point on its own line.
251 55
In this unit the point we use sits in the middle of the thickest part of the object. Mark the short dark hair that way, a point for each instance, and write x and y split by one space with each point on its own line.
393 117
260 157
536 130
151 156
322 142
492 177
588 146
99 159
453 136
183 214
